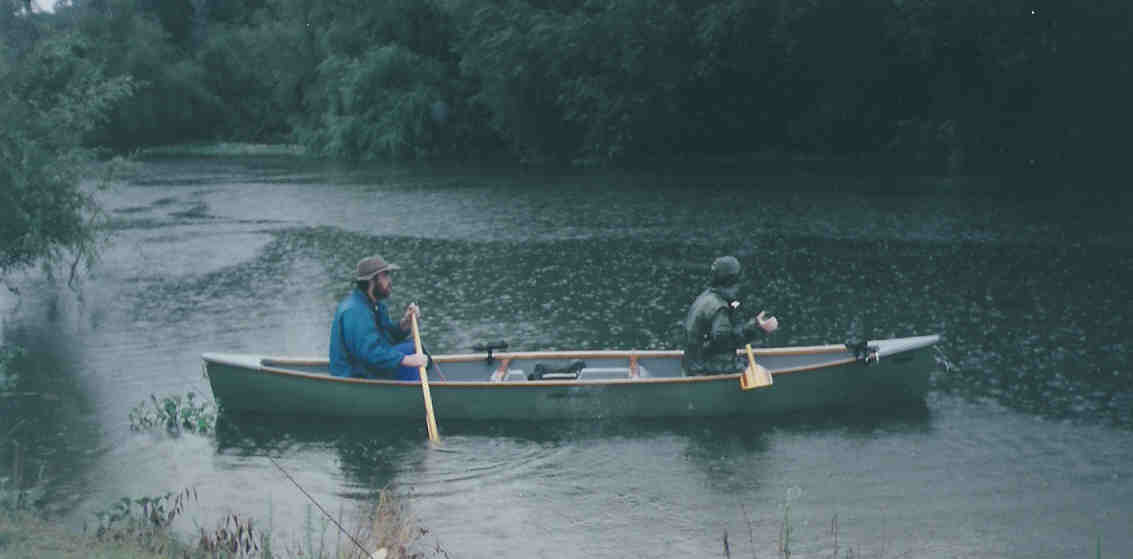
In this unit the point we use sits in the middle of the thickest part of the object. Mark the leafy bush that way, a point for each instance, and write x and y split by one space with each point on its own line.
50 99
242 72
150 512
175 414
173 101
507 50
595 85
626 68
380 105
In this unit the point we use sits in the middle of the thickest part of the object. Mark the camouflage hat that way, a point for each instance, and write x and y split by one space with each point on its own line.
371 266
725 270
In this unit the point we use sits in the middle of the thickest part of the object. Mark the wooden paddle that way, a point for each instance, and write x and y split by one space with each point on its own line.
755 376
430 421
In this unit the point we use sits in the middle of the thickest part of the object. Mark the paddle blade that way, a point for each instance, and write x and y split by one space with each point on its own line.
755 376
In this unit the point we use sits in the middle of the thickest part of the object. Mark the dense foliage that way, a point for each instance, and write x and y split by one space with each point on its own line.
54 93
948 86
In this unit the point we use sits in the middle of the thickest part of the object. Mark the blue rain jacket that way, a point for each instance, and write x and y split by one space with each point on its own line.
362 339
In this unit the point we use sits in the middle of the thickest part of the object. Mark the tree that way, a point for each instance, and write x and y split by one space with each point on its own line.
51 96
172 102
386 83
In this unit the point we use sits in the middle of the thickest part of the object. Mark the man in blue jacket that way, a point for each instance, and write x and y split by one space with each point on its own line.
364 342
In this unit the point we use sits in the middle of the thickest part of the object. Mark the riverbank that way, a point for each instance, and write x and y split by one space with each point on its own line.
775 161
390 532
223 149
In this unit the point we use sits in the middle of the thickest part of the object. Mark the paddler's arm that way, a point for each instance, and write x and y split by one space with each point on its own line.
761 323
406 321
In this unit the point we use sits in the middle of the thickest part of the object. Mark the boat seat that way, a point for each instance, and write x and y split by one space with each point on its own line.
588 373
604 373
546 372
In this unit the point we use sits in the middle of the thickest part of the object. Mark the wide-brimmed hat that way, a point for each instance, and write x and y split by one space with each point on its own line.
371 266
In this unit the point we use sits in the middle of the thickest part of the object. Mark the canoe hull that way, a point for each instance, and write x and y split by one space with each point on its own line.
831 377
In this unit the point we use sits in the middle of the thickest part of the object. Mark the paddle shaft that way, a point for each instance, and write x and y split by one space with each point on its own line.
430 420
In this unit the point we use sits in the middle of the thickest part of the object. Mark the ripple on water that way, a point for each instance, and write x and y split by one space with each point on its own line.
474 464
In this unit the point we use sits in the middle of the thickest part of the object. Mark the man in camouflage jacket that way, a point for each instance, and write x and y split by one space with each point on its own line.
713 330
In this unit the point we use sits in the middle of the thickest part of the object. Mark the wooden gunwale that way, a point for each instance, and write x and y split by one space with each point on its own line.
595 354
485 383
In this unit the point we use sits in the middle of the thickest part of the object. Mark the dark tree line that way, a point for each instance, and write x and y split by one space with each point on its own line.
944 85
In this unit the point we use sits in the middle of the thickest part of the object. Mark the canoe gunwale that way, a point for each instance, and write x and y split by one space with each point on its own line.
484 383
592 354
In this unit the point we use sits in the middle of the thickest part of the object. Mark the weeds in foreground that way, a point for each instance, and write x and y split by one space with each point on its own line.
786 532
394 528
143 521
234 537
389 531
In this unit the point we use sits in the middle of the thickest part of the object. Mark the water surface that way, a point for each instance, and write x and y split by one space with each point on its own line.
1022 449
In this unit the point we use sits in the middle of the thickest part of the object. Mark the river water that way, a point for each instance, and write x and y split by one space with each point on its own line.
1023 448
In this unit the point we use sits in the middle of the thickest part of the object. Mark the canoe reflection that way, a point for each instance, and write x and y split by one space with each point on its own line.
372 452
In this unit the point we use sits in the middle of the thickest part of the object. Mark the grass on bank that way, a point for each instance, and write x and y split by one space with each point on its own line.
25 535
389 532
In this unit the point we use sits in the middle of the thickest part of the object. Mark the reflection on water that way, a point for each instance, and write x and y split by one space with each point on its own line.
46 417
1031 406
372 452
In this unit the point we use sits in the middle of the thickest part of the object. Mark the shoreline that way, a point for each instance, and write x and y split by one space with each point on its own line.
224 149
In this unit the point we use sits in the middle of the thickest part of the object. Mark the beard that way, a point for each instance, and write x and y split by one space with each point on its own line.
382 292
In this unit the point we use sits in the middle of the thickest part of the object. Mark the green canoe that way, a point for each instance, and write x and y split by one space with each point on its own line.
582 384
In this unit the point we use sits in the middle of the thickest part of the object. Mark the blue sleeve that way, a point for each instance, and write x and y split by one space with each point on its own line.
362 340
